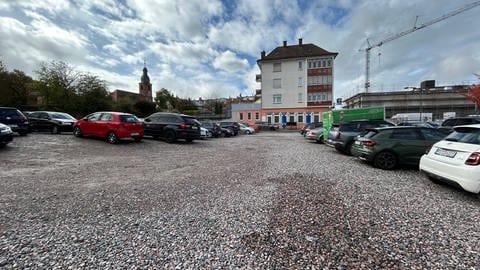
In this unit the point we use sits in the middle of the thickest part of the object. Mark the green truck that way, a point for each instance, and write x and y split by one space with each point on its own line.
337 117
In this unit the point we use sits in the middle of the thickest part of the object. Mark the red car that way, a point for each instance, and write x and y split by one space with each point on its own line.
111 125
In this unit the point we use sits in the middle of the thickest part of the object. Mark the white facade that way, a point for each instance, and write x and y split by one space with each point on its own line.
286 88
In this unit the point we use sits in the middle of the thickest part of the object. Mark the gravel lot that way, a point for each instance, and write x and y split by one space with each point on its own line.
267 201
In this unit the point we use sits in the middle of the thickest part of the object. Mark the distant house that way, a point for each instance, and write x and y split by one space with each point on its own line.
296 83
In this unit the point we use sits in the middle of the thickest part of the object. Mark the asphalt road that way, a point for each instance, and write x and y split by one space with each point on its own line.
267 201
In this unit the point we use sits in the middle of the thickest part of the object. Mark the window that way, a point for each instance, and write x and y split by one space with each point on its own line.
276 118
300 81
291 118
316 118
241 116
93 117
277 98
277 67
300 65
300 118
300 97
257 116
106 117
277 83
249 116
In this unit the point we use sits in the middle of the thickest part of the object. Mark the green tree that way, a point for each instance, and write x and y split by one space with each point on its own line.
14 87
57 85
92 95
165 101
144 108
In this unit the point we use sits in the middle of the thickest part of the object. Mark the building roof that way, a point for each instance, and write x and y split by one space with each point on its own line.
296 51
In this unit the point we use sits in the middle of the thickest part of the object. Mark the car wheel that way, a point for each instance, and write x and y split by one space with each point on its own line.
320 139
348 149
170 136
112 137
385 160
77 132
189 140
247 132
55 130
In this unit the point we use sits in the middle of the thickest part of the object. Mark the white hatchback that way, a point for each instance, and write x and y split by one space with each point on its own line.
456 158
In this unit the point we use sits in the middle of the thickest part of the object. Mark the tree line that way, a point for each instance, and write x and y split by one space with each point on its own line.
60 87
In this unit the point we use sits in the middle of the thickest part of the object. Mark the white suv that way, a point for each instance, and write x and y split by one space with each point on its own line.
456 159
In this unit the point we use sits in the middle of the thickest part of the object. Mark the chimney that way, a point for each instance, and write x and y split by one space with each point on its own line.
263 54
300 41
284 43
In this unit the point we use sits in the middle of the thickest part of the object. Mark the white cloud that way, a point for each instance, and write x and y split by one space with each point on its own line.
229 62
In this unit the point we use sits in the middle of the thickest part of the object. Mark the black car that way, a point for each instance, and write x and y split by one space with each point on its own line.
55 122
448 124
15 119
266 126
172 126
234 126
214 128
6 135
345 136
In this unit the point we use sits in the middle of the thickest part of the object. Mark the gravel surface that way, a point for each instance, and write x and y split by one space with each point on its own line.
267 201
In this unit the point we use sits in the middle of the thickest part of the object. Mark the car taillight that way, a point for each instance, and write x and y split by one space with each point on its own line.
369 143
23 117
337 136
184 126
473 159
428 150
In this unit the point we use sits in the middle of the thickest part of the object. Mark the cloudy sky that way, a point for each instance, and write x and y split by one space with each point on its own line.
209 48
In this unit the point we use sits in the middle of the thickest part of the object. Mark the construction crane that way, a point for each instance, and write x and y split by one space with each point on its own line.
406 32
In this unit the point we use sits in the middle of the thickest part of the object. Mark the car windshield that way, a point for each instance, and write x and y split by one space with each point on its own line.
370 134
128 118
62 116
465 135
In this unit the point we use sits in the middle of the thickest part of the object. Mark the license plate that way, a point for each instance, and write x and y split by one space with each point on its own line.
135 134
194 127
13 125
445 153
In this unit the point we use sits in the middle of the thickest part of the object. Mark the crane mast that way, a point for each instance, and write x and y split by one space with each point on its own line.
406 32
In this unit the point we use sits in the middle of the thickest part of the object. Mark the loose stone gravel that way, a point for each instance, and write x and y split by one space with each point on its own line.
266 201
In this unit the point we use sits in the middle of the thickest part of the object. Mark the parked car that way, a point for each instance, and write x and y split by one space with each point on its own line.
113 126
308 127
266 126
234 126
226 132
172 126
255 128
213 128
347 132
331 135
15 119
449 123
55 122
246 129
315 134
455 159
6 135
388 147
205 133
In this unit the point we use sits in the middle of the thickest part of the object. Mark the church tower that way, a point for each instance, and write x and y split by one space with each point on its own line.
145 87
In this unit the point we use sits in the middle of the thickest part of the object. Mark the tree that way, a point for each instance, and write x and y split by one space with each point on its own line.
165 101
14 90
58 81
92 95
144 108
474 95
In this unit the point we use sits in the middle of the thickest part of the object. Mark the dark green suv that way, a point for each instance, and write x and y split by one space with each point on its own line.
388 147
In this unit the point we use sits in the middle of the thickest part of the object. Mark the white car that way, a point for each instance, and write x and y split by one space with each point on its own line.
205 133
456 158
246 130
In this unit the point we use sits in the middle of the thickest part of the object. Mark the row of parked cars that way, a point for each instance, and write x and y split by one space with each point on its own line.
449 152
116 126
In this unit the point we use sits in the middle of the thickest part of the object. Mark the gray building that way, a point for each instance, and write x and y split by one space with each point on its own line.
430 99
